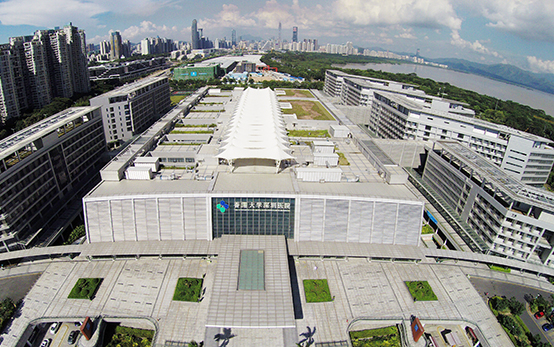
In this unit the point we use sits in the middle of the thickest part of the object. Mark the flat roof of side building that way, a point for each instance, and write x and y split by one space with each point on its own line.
38 130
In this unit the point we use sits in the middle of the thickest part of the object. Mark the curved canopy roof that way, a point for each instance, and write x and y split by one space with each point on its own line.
256 130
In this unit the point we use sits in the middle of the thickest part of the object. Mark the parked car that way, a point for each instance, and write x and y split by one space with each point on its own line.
72 337
78 324
539 315
46 342
547 327
54 327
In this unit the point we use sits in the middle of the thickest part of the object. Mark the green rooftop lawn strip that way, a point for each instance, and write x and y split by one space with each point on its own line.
309 133
188 289
342 159
388 336
317 291
500 268
192 132
421 291
179 125
85 288
199 111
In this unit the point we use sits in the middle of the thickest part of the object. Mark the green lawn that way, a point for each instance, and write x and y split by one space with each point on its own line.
426 229
85 288
421 291
298 92
306 109
379 337
176 98
342 159
317 291
309 133
188 289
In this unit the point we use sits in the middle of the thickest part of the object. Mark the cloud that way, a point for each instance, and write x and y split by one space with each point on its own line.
529 19
422 13
228 17
81 12
146 29
476 46
48 13
539 65
406 34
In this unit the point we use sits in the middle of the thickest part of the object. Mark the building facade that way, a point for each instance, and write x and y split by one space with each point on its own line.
512 219
35 69
132 108
42 167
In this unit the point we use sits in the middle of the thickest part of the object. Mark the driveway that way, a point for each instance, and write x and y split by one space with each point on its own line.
500 288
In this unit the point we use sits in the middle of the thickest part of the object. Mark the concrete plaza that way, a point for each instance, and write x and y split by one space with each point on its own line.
142 289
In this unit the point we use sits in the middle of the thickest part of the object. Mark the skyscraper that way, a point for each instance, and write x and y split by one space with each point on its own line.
233 37
195 39
279 32
294 34
35 69
115 45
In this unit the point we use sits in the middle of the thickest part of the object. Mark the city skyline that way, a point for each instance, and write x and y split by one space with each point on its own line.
486 31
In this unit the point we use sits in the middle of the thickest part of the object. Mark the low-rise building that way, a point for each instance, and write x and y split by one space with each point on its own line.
525 156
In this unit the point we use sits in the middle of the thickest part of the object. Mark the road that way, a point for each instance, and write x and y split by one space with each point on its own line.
493 287
16 287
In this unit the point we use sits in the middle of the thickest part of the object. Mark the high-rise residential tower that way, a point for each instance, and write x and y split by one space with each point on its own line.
115 45
294 34
35 69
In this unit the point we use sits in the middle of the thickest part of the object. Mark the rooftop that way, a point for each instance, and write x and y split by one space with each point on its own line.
131 87
418 108
38 130
514 188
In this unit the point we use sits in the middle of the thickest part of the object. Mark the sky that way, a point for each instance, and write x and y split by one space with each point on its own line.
517 32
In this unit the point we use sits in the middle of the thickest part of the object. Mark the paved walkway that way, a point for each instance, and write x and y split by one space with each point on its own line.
144 289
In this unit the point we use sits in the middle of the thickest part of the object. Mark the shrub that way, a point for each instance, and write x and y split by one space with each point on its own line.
188 289
317 291
421 291
85 288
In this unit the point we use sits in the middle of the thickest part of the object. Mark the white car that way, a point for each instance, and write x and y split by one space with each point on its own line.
54 327
46 342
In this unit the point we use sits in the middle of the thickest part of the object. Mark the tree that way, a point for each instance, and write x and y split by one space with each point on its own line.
515 306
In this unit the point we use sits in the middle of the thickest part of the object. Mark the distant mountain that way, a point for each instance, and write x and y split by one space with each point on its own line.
503 72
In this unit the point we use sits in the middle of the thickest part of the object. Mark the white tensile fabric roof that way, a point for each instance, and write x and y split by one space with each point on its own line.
256 129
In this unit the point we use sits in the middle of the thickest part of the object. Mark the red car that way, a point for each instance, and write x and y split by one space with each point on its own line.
539 315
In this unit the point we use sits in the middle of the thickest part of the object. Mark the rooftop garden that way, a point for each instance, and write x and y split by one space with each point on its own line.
306 109
301 93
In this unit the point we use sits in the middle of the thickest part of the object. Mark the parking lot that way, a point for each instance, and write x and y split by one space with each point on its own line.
59 338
